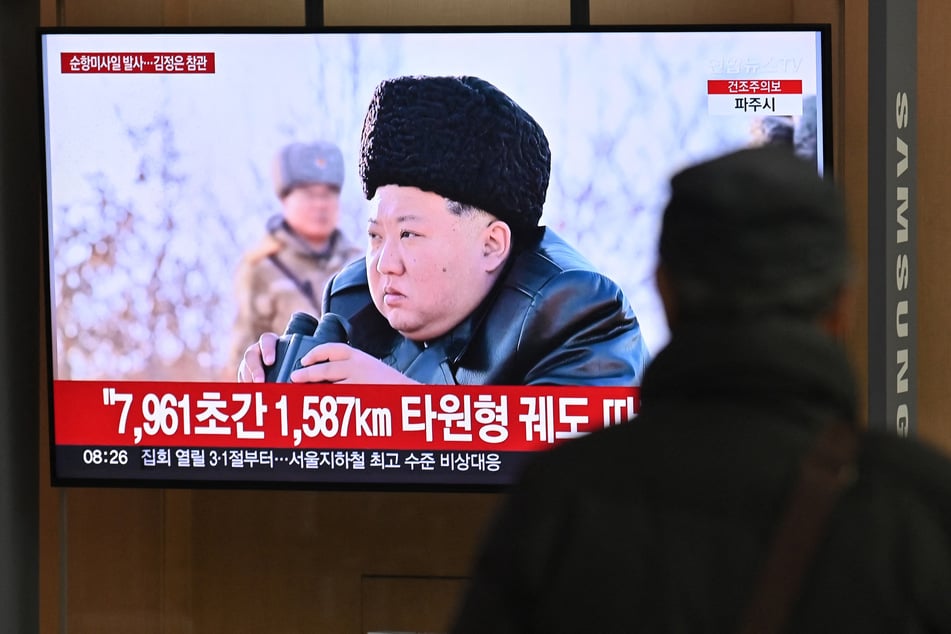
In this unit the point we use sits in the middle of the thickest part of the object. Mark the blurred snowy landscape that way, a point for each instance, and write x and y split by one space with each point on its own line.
157 183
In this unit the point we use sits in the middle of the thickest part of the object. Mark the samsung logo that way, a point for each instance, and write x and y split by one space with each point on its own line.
902 269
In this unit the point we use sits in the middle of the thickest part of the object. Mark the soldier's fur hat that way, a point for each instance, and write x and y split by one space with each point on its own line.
300 164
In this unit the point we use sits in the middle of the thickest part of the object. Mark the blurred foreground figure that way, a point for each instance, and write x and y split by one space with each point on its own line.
666 523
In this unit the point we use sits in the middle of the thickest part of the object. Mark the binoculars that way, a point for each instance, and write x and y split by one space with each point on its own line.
304 332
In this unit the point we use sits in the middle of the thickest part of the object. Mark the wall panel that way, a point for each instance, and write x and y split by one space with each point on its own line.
48 13
934 221
853 172
109 13
298 561
114 560
172 13
681 11
439 12
240 12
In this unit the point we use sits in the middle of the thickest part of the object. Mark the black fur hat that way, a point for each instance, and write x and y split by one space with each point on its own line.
459 137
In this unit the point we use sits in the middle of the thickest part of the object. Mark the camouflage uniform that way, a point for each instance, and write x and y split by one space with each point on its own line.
274 278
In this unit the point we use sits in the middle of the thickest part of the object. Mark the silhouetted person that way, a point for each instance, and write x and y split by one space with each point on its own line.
663 523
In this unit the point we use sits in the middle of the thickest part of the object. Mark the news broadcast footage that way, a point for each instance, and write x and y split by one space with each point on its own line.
159 150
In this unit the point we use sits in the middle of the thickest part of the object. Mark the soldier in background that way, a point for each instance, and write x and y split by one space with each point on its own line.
773 130
798 132
302 248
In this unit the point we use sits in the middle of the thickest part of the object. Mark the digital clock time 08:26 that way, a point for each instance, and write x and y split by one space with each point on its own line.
106 456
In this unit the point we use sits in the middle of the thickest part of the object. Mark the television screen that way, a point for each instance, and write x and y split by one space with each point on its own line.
171 157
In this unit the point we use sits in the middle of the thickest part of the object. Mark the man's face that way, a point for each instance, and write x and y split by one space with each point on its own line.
312 211
429 268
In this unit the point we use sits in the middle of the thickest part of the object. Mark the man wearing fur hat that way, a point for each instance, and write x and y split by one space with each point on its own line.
460 284
303 246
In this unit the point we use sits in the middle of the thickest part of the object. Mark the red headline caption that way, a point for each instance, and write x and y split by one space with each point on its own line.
173 62
754 86
510 418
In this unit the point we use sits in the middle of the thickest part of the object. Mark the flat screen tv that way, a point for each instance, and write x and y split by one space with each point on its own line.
158 178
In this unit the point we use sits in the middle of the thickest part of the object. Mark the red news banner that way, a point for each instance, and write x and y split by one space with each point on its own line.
755 96
148 62
309 416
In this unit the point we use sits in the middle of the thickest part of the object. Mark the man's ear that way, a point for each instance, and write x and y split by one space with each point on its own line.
496 245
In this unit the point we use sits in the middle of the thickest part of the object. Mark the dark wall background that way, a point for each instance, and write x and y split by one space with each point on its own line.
19 318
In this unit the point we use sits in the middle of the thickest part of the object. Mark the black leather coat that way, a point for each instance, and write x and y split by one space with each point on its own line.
550 319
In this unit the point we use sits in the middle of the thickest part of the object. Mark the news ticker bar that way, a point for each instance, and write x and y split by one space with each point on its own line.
285 466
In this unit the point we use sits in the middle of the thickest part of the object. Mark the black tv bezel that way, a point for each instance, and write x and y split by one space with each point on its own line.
316 27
